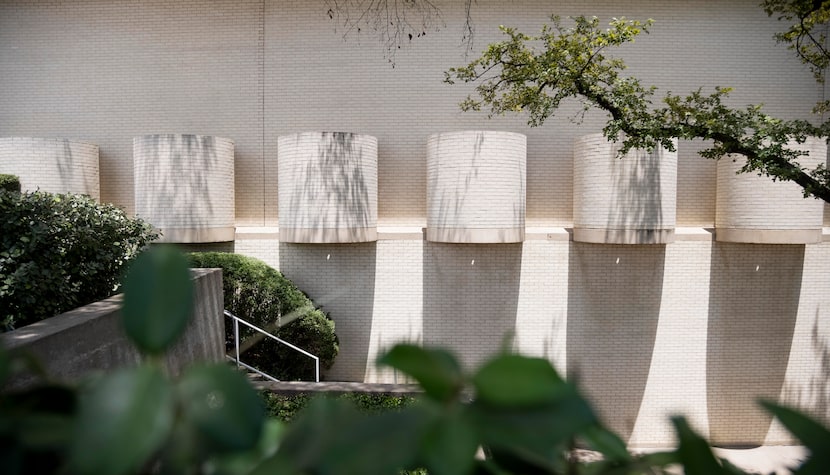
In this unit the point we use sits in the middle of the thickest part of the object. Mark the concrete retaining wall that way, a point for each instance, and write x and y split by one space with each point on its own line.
90 338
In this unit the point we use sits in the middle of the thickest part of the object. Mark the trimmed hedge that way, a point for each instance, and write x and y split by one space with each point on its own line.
59 252
286 408
261 295
9 183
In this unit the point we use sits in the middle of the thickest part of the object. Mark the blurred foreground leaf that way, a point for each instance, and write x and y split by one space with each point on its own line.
221 404
436 370
123 419
158 299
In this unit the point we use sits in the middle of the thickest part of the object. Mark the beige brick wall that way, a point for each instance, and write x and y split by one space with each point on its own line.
252 70
476 187
328 187
692 326
629 200
52 165
749 205
185 186
107 71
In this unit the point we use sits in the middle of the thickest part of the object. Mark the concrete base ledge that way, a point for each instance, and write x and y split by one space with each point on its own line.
327 235
476 235
90 338
303 387
769 236
197 235
532 233
624 236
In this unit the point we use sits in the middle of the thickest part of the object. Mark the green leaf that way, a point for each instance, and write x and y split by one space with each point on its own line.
331 437
606 442
694 452
517 381
450 445
158 299
221 404
122 420
810 433
244 462
5 365
436 370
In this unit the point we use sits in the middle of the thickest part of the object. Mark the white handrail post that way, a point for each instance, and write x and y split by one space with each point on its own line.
317 370
236 338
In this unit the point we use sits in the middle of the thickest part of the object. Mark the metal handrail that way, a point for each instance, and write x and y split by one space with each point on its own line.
237 321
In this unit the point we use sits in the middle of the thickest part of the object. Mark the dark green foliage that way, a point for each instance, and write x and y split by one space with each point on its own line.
58 252
571 61
150 293
9 183
261 295
286 408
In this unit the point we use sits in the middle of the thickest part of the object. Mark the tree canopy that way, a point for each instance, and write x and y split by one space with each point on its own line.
534 74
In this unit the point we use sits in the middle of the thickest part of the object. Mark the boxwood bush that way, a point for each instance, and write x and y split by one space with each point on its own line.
61 251
9 183
261 295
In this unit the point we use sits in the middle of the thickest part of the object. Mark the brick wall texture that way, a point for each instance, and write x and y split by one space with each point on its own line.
52 165
635 192
476 186
185 185
328 186
695 326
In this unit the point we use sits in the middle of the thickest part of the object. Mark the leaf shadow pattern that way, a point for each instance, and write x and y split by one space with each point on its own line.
328 187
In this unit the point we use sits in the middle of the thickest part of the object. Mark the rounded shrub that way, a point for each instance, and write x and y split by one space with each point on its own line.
262 296
9 183
58 252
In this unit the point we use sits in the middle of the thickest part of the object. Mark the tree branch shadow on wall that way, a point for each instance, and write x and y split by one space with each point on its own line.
451 202
335 187
614 300
638 209
460 206
470 297
339 278
753 304
181 189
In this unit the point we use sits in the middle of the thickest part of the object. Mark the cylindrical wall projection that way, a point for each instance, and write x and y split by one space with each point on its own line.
623 200
755 209
328 187
52 165
476 187
184 185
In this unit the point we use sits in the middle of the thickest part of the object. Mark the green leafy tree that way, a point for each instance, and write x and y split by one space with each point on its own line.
535 74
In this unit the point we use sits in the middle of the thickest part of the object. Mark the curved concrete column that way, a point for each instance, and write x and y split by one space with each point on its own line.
184 185
52 165
476 187
623 200
328 187
755 209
